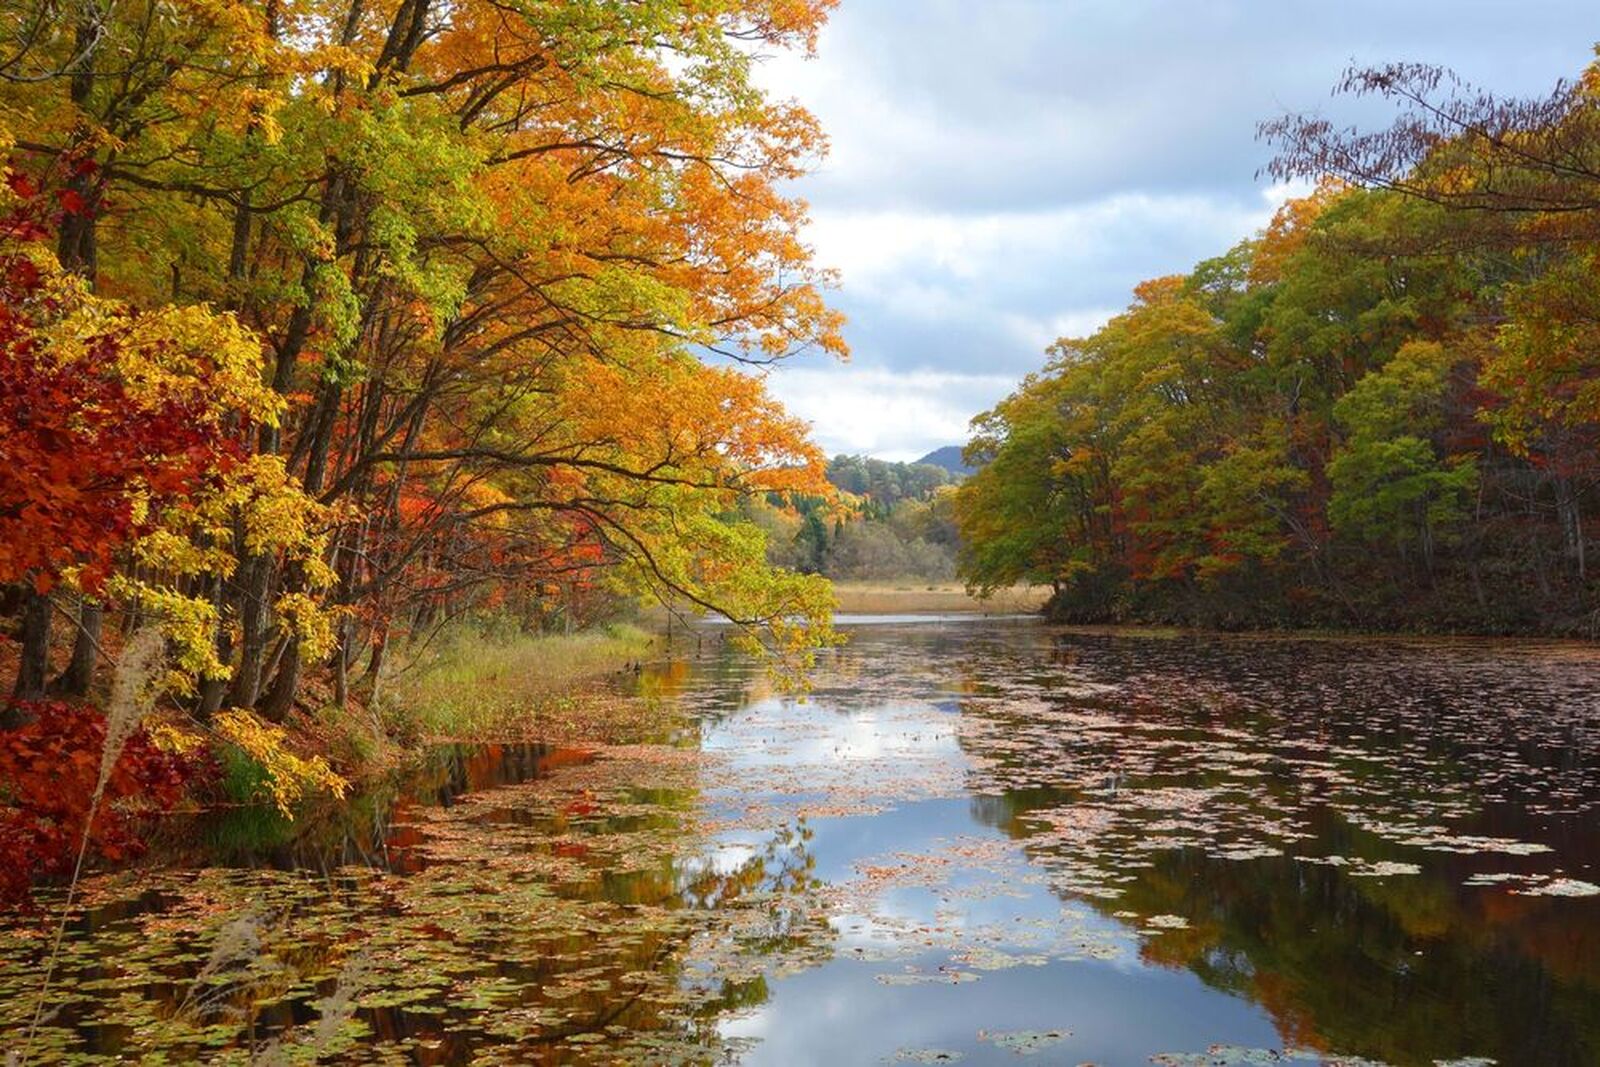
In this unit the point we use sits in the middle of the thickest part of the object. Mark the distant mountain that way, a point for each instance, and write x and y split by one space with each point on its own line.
948 457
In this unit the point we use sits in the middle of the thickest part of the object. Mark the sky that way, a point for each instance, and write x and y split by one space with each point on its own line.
1003 172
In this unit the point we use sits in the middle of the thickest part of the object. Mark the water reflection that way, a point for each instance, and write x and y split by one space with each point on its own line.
566 916
972 839
373 828
1357 837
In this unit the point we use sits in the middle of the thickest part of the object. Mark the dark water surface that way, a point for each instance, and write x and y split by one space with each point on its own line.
984 841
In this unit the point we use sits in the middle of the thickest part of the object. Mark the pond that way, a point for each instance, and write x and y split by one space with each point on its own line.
976 840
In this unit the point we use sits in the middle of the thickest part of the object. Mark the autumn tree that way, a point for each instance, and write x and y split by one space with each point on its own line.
1337 421
453 226
1038 509
1519 181
110 417
1390 484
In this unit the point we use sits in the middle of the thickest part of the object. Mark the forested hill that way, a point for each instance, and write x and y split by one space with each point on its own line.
949 457
886 483
1382 411
891 521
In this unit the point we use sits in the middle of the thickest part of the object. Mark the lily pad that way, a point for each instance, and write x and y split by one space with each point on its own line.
1024 1042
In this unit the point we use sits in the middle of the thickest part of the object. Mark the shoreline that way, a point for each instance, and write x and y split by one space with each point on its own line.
934 598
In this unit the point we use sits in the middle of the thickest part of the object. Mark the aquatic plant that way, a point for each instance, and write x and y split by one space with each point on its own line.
287 777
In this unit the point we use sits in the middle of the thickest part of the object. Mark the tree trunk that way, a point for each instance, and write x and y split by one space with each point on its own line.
213 690
1427 546
1474 569
380 642
279 698
75 235
1571 522
341 665
253 633
79 675
33 672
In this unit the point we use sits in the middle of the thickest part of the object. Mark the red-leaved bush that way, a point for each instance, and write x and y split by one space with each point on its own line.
48 771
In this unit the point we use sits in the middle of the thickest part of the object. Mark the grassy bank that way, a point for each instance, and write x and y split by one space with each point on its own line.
473 683
915 598
480 682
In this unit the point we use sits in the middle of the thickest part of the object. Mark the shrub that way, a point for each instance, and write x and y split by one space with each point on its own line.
49 769
283 776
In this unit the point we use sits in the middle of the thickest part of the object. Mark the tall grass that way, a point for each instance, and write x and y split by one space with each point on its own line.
475 681
914 597
132 696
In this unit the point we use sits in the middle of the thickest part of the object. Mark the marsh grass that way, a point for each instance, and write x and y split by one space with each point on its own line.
914 597
133 694
476 682
235 954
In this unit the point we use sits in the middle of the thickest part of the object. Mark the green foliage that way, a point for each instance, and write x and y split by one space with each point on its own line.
885 483
864 538
1247 492
1395 489
243 780
1389 483
1312 428
1030 513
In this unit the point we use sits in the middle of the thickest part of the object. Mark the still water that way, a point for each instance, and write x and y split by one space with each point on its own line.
977 841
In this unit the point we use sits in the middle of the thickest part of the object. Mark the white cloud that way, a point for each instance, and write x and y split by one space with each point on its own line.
877 250
898 415
1032 102
948 310
1039 334
1003 174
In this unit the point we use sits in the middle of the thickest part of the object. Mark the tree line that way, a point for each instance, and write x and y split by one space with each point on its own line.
887 521
1380 411
325 320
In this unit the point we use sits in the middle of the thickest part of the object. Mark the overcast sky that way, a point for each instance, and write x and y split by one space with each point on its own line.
1003 172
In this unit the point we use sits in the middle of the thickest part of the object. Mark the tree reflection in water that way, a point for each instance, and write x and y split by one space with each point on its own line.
969 838
533 922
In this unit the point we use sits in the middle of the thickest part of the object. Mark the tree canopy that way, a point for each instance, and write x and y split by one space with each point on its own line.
374 313
1378 411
